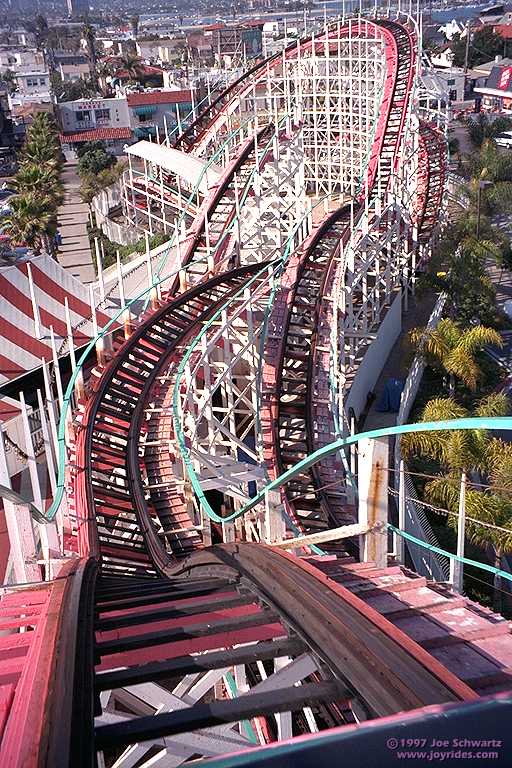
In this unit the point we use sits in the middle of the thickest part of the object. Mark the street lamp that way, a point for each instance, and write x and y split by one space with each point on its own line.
482 184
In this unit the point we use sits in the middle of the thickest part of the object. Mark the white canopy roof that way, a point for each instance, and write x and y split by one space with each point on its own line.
184 165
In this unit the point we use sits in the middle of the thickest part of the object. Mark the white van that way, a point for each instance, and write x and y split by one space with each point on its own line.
504 139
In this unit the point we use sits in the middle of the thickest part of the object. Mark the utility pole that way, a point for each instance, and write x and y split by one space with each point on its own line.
468 40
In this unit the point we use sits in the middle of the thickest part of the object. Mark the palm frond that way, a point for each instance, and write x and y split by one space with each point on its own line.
475 339
463 366
495 404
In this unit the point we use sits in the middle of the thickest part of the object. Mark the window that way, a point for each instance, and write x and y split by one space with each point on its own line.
451 82
83 115
42 81
102 115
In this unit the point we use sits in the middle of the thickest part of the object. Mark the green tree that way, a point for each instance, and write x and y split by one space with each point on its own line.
89 36
41 30
134 24
92 184
31 221
458 269
90 146
494 169
485 46
9 78
133 67
485 459
454 350
42 146
94 161
31 179
459 266
71 90
484 127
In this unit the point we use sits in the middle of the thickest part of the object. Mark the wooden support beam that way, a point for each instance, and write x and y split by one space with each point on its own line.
335 534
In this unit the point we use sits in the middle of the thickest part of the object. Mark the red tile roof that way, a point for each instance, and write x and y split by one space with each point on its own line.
504 31
158 97
145 70
97 134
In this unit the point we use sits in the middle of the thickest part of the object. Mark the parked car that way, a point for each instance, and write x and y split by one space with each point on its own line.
6 193
504 140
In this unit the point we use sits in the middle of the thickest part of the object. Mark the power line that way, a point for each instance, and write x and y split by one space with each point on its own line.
440 510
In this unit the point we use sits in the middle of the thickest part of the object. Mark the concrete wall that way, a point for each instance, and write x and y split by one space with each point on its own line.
375 358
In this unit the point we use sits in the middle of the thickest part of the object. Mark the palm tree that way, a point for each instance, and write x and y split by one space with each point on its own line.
134 24
486 459
34 178
133 67
31 221
90 40
42 142
454 349
37 153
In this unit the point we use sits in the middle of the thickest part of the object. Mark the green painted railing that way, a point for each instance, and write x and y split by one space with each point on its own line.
497 423
438 551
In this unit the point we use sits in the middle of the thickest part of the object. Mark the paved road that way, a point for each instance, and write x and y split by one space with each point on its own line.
75 253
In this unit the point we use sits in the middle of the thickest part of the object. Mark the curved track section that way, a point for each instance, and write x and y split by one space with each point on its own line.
432 159
297 417
107 460
289 406
398 42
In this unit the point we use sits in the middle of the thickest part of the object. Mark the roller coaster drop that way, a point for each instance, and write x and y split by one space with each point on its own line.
183 630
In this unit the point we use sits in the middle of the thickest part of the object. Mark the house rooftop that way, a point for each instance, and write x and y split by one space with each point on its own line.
158 97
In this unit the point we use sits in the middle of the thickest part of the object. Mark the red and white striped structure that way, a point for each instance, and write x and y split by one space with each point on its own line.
33 298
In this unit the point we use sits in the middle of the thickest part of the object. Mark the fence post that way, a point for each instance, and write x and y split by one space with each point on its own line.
456 567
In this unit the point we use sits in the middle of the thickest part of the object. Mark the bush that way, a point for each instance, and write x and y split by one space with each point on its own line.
95 161
126 252
90 146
